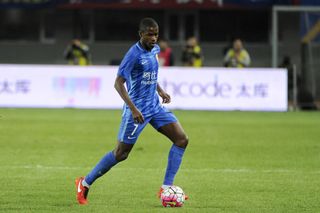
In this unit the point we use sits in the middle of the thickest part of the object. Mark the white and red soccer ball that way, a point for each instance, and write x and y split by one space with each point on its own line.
173 196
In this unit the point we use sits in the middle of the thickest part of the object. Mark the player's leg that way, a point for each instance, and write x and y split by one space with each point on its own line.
120 153
176 134
128 135
83 184
166 123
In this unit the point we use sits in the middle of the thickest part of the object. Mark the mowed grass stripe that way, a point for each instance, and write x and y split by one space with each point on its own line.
42 167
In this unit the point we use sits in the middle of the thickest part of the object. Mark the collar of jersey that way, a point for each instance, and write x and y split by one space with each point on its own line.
141 48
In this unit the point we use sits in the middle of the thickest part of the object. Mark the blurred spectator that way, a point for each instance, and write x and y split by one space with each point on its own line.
237 56
192 54
229 45
165 56
77 53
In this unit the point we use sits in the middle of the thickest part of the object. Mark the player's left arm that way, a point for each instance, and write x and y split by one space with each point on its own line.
165 96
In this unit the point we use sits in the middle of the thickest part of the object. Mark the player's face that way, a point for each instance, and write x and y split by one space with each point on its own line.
150 37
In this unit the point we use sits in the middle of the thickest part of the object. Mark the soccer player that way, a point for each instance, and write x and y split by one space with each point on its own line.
139 70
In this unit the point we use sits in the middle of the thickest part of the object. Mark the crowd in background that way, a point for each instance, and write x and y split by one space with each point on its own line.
78 53
234 56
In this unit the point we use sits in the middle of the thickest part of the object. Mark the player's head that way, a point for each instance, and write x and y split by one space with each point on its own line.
149 32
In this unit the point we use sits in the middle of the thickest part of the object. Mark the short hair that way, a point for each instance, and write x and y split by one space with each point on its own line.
147 23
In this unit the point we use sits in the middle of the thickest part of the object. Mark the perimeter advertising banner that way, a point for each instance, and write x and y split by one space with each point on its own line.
55 86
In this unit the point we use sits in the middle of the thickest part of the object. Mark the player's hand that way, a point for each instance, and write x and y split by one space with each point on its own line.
165 97
137 116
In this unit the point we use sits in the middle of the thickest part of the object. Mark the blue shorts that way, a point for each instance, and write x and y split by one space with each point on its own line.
130 131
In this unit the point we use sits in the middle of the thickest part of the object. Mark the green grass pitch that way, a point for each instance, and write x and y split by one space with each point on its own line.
246 162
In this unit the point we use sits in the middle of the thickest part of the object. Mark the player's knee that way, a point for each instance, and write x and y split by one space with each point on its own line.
121 156
121 152
182 142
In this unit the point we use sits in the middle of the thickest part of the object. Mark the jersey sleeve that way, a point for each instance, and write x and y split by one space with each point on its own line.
127 65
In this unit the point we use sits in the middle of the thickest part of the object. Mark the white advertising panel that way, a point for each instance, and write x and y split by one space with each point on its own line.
92 87
58 86
226 88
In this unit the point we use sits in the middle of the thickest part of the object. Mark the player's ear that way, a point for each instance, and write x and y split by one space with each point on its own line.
140 33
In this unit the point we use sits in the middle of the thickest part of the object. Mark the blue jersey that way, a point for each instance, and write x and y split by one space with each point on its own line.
139 68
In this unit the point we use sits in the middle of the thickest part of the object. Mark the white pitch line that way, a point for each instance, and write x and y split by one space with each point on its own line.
226 170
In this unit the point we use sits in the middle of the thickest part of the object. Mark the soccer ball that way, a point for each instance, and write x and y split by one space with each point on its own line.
173 196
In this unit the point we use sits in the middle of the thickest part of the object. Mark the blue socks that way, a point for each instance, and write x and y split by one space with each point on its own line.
109 160
174 161
105 164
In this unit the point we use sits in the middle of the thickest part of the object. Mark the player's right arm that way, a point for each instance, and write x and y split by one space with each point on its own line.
119 86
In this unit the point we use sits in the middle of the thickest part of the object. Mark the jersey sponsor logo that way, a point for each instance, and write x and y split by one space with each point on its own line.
146 75
143 62
149 78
